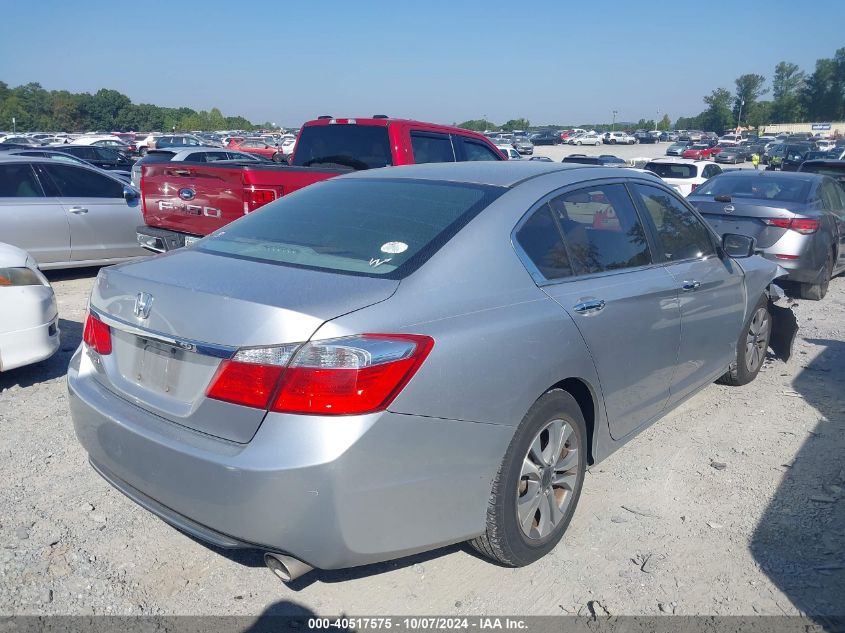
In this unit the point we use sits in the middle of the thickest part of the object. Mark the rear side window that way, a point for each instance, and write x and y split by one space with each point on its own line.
601 229
680 234
473 150
541 240
342 145
432 148
19 181
78 182
382 228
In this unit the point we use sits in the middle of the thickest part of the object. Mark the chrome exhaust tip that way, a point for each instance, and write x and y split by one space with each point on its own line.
286 568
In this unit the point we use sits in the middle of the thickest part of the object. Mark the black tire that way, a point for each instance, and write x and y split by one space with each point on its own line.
142 152
817 292
504 541
277 157
740 373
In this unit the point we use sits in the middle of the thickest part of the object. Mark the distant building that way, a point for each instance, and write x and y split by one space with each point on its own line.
823 129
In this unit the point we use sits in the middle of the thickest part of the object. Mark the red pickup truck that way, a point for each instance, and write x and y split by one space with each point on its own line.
185 201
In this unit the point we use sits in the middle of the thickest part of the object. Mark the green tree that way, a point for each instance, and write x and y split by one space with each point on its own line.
749 88
823 92
717 117
478 125
665 123
787 86
759 114
516 124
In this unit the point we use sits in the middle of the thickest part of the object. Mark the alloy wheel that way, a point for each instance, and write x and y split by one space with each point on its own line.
757 340
549 476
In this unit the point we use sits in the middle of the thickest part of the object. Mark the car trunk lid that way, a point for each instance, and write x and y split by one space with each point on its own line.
202 308
746 217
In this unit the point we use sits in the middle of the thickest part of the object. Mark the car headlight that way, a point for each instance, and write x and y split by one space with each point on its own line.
20 277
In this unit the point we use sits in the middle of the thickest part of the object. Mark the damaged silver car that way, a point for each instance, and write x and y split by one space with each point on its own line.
398 359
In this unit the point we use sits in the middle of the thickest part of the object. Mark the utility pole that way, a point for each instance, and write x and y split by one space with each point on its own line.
739 118
613 128
14 127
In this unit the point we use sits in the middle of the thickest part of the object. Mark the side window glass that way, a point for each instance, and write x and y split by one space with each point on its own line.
79 182
478 151
432 148
199 157
541 240
19 181
105 154
601 229
681 235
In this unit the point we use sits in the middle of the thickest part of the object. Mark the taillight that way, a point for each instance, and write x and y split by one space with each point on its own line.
348 376
250 377
97 335
805 226
255 198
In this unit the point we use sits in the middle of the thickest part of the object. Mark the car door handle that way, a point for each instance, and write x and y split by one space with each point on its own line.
78 210
589 307
689 286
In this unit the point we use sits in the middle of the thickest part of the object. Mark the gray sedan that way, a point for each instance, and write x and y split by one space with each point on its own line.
797 219
67 215
394 360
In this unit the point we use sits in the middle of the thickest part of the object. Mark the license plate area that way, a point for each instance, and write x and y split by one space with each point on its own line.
157 367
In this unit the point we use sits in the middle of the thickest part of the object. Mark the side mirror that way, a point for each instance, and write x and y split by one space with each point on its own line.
130 194
735 245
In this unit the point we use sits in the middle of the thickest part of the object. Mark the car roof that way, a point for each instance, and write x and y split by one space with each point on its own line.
496 173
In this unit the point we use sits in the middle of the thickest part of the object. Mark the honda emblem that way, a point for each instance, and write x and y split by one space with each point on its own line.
143 305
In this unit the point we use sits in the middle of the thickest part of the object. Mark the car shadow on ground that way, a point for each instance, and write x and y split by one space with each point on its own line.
255 558
799 542
50 369
68 274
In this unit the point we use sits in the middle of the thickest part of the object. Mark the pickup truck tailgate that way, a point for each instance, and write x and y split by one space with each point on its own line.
191 198
197 199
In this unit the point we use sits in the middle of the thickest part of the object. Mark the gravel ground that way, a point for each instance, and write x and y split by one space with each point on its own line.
731 505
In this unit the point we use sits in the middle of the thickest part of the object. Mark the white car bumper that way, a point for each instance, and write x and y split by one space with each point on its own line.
29 325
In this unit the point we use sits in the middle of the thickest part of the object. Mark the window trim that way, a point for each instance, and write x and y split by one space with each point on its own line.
651 229
44 167
35 175
539 279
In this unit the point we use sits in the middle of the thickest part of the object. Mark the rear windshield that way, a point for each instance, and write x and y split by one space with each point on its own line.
343 145
380 228
671 170
756 187
585 160
826 169
156 157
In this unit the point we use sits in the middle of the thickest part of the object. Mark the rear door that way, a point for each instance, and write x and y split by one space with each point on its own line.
30 217
102 222
603 275
712 293
833 198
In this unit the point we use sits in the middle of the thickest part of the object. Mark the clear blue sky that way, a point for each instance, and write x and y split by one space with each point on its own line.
286 62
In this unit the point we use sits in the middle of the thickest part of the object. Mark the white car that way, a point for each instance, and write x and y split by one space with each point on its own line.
619 138
683 174
102 141
590 138
29 320
509 151
288 144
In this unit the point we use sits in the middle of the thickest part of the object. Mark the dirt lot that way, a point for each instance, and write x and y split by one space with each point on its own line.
734 504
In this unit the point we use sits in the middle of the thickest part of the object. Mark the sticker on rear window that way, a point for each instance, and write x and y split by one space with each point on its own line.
394 247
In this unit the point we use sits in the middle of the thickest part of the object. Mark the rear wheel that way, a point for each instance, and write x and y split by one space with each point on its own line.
142 152
277 157
816 292
751 347
538 484
578 143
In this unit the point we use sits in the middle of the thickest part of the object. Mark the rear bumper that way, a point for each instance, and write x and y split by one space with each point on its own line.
160 240
810 256
333 492
27 344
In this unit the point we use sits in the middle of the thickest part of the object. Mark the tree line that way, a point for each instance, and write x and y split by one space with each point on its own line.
797 97
37 109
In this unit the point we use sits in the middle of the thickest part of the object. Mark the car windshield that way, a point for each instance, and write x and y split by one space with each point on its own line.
768 187
383 228
672 170
350 145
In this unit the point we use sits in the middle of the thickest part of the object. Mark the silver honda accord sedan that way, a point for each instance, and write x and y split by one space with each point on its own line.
403 358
